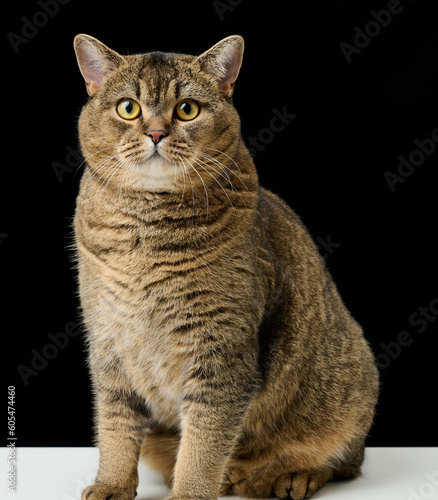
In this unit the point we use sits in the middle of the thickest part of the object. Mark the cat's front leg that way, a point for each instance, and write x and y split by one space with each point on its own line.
121 420
211 423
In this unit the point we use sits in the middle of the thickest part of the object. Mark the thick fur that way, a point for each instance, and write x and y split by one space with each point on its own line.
219 347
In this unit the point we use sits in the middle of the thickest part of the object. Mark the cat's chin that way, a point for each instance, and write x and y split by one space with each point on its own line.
157 174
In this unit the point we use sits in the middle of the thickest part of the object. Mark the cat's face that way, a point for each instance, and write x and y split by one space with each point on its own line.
159 122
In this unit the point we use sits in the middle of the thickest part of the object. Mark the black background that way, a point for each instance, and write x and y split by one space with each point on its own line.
354 119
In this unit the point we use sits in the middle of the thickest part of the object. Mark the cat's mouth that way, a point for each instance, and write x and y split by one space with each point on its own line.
154 156
154 153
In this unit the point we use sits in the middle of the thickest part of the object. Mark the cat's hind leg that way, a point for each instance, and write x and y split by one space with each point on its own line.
250 478
300 485
251 481
291 479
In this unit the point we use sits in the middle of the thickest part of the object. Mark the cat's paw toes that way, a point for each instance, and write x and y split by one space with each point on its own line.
103 492
300 485
179 498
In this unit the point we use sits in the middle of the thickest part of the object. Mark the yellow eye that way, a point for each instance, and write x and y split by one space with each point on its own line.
187 110
128 109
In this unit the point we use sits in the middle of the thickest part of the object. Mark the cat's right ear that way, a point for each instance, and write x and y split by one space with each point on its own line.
96 61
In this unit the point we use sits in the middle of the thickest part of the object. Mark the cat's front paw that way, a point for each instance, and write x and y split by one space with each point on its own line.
103 492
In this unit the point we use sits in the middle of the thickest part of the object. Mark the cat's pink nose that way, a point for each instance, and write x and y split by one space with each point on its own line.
156 135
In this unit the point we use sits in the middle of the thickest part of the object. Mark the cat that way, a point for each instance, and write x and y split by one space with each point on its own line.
219 348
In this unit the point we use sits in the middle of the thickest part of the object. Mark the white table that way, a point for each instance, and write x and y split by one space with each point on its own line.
62 474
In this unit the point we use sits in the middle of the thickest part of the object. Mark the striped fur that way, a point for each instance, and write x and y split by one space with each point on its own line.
219 348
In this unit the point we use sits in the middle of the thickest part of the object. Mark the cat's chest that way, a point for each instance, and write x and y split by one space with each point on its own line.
156 368
145 308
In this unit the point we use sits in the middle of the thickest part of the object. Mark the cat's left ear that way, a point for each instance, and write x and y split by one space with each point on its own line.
223 62
96 61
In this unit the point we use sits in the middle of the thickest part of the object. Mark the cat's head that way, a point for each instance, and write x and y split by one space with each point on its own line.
159 121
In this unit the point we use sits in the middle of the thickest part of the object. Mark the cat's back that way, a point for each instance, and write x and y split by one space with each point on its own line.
287 235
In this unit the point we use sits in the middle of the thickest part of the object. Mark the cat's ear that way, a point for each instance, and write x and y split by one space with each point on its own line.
96 61
223 62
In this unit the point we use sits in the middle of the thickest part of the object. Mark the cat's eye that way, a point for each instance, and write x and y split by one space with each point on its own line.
187 110
128 109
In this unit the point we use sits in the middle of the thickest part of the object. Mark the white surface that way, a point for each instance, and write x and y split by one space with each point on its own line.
62 474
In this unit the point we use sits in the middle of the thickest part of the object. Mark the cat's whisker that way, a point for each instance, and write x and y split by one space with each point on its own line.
97 167
115 167
100 163
222 165
224 168
131 166
174 176
180 165
187 173
93 171
199 162
95 179
96 170
90 156
126 174
229 157
184 181
104 181
127 146
224 174
191 182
